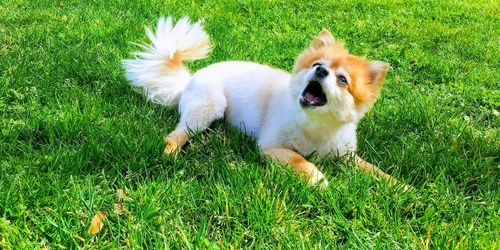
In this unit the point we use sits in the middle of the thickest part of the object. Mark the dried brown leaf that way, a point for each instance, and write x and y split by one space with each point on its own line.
97 222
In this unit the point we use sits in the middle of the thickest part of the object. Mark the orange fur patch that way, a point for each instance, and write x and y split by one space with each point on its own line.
179 56
359 86
310 56
297 160
175 140
175 62
302 166
171 146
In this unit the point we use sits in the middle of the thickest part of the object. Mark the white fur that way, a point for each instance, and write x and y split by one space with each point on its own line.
261 101
148 71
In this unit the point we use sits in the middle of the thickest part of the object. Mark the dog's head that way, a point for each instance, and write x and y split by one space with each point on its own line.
328 80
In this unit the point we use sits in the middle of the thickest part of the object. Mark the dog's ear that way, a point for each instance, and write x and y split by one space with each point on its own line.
376 73
323 39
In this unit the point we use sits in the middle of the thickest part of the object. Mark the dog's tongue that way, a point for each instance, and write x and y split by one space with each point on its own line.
310 98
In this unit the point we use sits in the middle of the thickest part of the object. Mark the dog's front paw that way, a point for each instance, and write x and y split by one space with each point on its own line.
317 179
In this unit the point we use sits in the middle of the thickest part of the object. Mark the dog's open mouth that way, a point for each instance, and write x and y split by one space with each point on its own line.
313 95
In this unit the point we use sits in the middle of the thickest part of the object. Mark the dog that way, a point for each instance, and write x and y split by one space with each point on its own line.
315 109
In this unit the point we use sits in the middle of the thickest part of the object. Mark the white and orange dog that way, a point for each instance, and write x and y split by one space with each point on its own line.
314 109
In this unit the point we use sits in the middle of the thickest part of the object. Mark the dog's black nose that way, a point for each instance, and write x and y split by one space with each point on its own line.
321 72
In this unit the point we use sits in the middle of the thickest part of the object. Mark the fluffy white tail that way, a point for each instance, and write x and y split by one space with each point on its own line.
159 70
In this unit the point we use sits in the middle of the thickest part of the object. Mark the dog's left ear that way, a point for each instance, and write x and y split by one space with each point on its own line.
323 39
376 73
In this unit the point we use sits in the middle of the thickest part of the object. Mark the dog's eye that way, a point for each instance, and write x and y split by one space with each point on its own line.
316 64
342 80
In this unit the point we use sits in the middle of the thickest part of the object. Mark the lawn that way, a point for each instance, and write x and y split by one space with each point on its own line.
76 139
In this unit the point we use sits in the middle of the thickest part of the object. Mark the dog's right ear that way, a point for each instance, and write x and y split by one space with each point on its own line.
323 39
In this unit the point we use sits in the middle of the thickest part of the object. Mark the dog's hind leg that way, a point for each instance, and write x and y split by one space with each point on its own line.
200 105
175 140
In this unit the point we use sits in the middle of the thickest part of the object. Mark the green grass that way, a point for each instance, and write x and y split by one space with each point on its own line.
73 132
